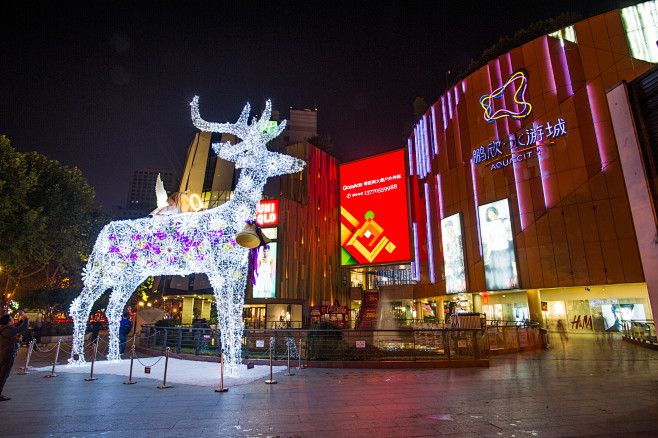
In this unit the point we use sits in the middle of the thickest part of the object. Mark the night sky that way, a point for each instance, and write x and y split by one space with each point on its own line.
106 86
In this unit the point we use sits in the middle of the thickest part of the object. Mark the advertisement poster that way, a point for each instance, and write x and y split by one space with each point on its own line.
453 253
614 314
374 210
265 272
370 305
498 245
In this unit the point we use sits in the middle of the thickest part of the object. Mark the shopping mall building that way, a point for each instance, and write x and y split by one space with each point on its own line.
524 193
530 180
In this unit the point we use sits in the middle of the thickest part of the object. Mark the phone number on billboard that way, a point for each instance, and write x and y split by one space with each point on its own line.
373 191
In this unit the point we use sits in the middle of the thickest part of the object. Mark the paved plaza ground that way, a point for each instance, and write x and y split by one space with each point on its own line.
600 387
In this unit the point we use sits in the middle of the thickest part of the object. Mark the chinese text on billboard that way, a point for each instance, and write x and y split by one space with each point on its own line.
374 210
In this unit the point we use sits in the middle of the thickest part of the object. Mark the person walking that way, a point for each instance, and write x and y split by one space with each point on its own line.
562 330
37 330
124 329
95 327
10 336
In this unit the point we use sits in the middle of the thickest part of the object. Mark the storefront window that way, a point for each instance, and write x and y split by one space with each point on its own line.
507 313
281 316
390 277
254 316
356 279
599 315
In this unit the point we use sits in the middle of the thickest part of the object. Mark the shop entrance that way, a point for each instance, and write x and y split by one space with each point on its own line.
253 316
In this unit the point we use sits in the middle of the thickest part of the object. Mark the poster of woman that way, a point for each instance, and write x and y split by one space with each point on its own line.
498 245
265 272
453 254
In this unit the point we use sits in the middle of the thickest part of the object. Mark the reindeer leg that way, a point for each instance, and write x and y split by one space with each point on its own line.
80 309
229 297
120 295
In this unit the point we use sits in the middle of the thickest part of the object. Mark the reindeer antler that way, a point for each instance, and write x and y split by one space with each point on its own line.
241 129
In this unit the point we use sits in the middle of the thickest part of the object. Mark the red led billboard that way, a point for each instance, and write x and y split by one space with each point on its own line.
267 213
374 210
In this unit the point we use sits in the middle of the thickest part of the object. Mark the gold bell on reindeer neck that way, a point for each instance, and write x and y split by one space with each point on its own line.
251 236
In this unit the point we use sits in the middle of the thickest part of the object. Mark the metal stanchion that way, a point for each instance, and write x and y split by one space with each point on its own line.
52 372
164 378
93 358
221 379
271 381
299 355
132 358
27 359
289 373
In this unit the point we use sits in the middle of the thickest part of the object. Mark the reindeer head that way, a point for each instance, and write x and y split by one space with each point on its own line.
251 152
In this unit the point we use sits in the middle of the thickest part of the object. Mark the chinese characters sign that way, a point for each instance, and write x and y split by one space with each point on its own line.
374 210
519 146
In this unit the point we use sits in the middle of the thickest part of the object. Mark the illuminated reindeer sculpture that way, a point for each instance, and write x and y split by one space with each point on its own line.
127 252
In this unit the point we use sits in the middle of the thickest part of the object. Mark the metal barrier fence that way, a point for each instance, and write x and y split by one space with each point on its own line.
329 345
513 337
185 340
643 331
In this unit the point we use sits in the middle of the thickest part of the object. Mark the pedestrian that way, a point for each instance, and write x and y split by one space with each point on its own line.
124 329
562 330
10 336
37 330
95 327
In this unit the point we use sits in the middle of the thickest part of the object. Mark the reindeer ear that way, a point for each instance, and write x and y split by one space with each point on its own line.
226 151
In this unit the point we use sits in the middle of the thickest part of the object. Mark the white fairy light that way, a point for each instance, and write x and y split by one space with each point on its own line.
129 251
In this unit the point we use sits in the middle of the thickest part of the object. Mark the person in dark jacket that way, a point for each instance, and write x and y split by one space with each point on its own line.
124 330
10 335
95 327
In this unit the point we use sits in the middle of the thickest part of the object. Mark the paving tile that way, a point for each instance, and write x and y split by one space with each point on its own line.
592 389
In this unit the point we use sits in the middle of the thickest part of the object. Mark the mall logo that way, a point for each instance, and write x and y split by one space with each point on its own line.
489 101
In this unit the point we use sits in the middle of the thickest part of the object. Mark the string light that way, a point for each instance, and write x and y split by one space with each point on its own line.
129 251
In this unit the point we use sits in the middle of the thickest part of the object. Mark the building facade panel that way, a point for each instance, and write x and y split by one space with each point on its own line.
557 164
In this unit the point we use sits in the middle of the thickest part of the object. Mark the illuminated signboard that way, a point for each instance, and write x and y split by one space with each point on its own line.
488 101
265 272
519 146
498 245
271 126
374 210
267 213
614 314
453 254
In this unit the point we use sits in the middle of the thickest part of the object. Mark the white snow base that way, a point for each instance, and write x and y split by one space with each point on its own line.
186 372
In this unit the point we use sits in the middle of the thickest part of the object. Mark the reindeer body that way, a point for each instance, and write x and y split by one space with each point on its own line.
127 252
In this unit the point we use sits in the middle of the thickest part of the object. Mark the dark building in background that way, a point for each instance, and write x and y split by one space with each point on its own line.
141 193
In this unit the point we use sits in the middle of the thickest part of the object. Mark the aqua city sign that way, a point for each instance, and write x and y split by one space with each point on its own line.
520 146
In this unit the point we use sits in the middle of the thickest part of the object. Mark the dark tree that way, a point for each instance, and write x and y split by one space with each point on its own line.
48 222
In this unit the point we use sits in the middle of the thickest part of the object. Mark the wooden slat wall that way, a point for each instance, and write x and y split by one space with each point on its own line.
309 230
